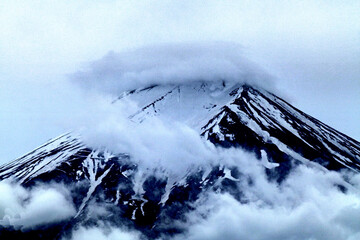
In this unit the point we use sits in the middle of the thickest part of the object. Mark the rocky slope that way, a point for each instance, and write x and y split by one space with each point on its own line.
228 115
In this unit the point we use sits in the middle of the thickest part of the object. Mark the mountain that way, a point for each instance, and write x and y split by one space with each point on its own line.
154 201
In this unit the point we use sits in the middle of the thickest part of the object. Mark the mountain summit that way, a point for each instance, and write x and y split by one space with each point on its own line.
155 201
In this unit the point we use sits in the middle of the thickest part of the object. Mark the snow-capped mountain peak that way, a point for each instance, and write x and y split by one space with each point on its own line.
229 115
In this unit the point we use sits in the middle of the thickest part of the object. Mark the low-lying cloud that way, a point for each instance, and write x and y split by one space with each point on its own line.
171 64
25 209
308 205
309 220
313 48
111 234
154 143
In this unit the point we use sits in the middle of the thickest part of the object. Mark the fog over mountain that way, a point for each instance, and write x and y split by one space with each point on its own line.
306 45
153 157
172 64
186 120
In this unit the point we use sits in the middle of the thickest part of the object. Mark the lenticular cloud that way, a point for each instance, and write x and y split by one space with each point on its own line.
171 64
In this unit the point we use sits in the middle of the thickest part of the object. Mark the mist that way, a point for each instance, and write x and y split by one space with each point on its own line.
311 203
308 204
62 64
25 209
312 48
172 64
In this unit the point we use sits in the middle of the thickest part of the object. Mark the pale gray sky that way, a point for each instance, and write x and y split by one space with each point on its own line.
313 47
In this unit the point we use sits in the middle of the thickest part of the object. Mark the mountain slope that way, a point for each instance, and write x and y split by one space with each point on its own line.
229 115
249 117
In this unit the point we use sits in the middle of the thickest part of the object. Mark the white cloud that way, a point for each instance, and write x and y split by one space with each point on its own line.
312 46
233 220
307 206
11 196
97 233
24 209
171 64
154 143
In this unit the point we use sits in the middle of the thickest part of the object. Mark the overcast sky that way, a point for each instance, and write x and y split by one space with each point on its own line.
312 47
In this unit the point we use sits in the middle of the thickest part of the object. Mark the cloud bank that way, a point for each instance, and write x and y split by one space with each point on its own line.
313 46
25 209
307 206
96 233
177 63
154 143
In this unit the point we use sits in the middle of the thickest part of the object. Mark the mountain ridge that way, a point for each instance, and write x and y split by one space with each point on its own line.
229 116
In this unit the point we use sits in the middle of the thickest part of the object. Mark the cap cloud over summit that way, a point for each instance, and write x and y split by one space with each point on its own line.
174 63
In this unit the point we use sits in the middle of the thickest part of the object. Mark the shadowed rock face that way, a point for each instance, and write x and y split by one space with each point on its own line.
229 116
